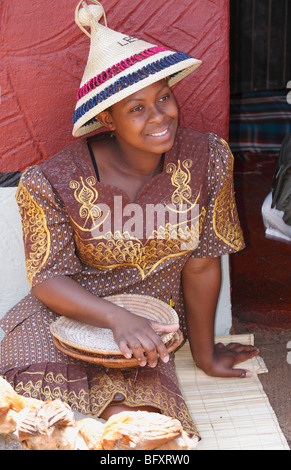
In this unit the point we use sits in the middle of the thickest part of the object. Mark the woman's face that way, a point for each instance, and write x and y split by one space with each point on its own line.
146 120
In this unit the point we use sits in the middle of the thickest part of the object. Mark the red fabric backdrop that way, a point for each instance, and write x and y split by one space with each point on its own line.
43 54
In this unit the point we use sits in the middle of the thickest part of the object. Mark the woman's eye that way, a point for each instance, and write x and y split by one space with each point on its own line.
140 108
136 109
164 97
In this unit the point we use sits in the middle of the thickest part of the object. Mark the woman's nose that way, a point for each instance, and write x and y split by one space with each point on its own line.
156 115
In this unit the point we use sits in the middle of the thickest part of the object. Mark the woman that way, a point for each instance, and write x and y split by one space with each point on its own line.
81 243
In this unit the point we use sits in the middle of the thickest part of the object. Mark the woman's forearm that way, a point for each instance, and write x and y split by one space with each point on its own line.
201 280
66 297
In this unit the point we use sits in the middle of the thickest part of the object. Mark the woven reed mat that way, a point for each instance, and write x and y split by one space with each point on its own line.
230 413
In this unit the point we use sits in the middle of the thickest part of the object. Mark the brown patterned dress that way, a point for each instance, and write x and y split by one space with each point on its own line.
72 227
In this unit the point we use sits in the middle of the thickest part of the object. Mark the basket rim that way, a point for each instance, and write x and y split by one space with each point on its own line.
113 362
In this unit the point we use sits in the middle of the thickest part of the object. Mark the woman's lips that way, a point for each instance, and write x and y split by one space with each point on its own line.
159 134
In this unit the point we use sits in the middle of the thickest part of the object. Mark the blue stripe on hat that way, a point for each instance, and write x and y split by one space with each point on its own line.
128 80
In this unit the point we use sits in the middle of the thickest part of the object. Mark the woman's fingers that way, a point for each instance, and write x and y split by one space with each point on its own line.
164 327
248 348
160 350
240 373
132 347
140 338
153 348
123 347
159 346
146 348
140 356
241 350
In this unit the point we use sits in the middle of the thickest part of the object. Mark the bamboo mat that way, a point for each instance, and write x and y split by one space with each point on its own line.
230 413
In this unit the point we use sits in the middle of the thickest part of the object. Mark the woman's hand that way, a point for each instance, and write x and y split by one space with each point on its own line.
137 336
226 357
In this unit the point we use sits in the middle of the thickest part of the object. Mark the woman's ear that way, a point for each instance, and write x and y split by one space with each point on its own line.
105 118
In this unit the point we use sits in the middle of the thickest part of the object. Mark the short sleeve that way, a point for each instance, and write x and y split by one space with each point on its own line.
47 232
221 231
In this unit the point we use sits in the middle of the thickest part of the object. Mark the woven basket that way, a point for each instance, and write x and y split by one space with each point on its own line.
112 362
90 339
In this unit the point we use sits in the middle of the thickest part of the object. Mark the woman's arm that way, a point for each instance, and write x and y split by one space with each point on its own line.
133 334
66 297
201 280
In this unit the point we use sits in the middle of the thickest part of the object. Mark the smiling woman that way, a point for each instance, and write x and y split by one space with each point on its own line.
144 158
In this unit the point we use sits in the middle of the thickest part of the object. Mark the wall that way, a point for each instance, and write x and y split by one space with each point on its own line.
43 54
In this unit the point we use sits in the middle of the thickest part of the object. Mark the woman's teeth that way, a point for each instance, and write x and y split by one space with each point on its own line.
160 133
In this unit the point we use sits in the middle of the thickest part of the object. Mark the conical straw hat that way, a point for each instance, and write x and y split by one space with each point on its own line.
118 66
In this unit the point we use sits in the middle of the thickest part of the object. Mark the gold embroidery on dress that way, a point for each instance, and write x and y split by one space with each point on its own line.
225 219
118 248
180 180
35 232
145 257
87 197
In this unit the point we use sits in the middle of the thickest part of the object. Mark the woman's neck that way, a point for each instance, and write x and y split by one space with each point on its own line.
135 162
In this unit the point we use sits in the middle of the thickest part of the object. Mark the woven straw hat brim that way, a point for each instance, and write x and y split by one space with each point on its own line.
88 123
91 339
114 72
